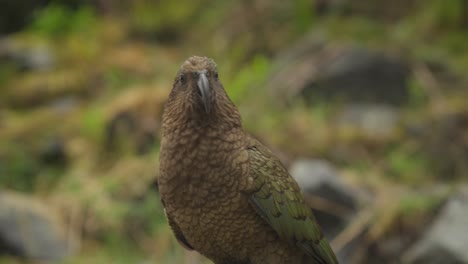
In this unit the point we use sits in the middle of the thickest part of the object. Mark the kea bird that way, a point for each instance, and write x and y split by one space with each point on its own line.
225 194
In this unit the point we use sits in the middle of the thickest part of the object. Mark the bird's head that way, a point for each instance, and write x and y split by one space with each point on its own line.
198 92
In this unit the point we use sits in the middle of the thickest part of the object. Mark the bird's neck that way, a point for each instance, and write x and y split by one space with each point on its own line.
180 118
204 140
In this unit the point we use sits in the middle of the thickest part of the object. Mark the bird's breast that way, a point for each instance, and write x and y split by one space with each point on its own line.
199 169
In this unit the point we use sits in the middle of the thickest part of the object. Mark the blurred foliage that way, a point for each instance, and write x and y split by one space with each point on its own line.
93 124
18 169
113 58
304 15
248 81
55 20
450 16
164 20
407 166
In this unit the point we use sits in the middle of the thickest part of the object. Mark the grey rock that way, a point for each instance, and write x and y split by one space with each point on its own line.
373 121
334 201
64 104
31 230
363 76
446 241
37 57
320 179
343 73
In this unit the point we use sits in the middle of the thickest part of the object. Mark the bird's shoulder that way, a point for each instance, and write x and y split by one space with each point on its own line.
273 184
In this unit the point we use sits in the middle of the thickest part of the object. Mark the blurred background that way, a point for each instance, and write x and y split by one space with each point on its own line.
364 101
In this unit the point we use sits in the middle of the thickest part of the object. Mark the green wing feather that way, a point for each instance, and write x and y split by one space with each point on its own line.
278 198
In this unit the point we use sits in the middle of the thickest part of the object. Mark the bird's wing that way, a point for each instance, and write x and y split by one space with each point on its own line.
279 200
177 232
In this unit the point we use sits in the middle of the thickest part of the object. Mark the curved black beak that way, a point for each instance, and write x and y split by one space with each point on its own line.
205 92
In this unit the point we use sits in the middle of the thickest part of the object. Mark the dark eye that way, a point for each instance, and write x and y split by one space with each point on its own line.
182 79
216 75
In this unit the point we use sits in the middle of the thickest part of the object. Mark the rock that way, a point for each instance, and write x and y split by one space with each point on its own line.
36 58
446 240
26 56
64 104
335 203
29 229
361 75
372 121
343 73
318 178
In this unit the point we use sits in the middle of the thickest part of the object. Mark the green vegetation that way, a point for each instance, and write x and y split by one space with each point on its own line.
249 81
55 20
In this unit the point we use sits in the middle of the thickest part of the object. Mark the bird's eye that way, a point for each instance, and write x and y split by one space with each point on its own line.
216 75
182 79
